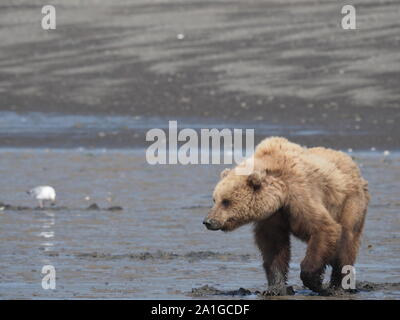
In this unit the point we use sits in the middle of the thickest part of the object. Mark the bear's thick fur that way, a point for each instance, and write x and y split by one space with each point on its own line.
316 194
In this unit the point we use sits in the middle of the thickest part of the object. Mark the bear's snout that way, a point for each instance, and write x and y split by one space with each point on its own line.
212 224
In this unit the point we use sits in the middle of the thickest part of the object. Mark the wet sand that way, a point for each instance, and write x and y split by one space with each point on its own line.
156 246
286 63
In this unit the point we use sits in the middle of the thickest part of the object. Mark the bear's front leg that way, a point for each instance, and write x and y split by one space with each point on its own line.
273 239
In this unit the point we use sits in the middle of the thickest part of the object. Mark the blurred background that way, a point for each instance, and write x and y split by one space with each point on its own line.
113 69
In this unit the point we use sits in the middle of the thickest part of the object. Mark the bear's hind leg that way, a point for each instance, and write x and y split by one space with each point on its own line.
321 247
353 217
346 256
336 275
273 239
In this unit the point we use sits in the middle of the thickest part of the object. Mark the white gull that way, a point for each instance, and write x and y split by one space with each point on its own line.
43 194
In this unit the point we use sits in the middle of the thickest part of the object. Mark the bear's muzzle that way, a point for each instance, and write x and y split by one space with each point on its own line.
212 224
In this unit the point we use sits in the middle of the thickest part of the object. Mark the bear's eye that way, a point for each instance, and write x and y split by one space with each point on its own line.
226 202
214 200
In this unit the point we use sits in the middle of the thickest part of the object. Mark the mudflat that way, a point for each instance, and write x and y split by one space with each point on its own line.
155 245
283 63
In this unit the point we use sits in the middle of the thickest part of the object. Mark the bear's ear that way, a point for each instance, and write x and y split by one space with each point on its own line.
224 173
255 179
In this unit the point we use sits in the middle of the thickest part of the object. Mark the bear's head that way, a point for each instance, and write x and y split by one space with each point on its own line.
240 199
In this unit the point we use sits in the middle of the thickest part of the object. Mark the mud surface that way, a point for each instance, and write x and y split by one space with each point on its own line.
286 63
364 290
157 247
93 206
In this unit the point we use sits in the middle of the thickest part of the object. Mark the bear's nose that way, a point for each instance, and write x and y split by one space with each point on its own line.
211 224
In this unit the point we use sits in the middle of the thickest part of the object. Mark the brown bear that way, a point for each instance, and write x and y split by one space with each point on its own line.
315 194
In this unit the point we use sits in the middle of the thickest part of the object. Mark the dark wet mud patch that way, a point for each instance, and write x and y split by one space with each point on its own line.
191 256
95 206
92 207
207 290
361 287
195 207
367 286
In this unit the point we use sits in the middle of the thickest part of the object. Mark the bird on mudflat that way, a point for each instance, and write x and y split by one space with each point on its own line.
43 194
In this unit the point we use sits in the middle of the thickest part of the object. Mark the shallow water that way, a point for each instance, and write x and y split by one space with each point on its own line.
157 247
55 130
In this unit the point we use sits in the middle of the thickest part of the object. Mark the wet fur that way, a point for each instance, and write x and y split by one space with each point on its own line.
315 194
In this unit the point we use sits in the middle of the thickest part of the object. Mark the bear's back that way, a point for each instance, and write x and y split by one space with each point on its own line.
276 145
343 162
280 153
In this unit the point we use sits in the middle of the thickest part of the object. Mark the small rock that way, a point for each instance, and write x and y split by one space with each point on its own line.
93 206
115 208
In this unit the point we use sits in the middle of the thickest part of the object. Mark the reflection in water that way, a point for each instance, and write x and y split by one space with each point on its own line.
48 223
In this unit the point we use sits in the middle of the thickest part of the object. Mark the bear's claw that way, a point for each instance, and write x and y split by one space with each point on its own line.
312 280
